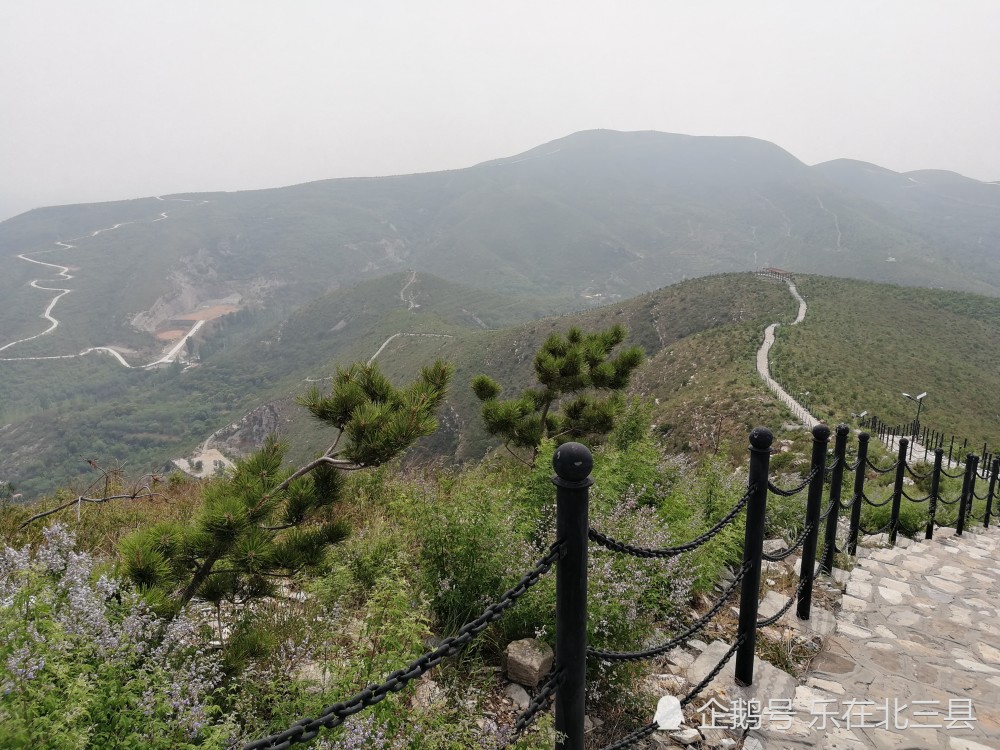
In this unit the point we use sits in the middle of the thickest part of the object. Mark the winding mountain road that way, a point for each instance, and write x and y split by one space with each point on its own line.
764 367
917 451
65 275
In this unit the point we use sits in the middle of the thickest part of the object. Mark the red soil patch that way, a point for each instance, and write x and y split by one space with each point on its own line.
172 335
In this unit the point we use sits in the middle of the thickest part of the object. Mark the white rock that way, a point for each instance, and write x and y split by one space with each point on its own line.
686 736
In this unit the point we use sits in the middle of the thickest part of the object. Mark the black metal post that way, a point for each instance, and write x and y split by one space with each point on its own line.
572 463
973 476
964 502
935 489
950 446
836 484
897 491
992 492
859 491
753 545
814 503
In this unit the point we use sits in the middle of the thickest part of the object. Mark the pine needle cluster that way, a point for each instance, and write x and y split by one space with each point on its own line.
265 522
579 391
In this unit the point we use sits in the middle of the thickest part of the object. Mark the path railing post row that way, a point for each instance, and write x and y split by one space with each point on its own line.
992 492
859 493
964 500
897 490
572 463
935 490
821 438
753 546
836 484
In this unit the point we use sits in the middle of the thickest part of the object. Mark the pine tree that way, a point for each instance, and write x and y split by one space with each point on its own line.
579 391
265 522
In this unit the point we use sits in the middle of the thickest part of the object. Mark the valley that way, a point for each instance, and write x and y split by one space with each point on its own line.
227 303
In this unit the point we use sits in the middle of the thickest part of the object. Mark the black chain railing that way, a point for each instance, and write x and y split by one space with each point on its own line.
886 470
690 632
542 700
628 549
788 551
651 728
635 737
566 686
781 612
794 491
916 476
849 504
873 504
875 532
305 730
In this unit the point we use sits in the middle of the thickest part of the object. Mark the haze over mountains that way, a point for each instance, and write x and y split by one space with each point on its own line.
587 219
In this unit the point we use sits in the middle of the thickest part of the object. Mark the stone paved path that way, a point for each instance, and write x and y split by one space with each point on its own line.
914 657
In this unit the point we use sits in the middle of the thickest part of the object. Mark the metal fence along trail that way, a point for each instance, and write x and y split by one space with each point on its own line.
566 686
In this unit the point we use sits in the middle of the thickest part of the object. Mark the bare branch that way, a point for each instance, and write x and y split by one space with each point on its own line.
95 500
529 464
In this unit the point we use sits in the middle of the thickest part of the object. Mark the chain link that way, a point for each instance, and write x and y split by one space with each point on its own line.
957 475
693 693
866 532
918 477
628 549
779 556
849 504
788 605
540 702
692 629
828 511
307 729
636 736
876 505
877 470
949 502
914 500
797 490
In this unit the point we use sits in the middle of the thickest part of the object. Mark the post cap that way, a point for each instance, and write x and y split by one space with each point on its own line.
761 438
821 432
864 437
843 429
572 462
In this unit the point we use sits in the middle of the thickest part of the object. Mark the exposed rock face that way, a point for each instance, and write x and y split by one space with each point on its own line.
248 434
528 661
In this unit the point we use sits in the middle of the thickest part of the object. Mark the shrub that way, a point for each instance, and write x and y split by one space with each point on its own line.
85 663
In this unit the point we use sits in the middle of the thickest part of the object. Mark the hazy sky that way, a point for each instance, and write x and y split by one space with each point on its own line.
101 100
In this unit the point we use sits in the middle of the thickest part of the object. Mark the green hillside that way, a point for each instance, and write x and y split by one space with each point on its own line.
149 417
862 345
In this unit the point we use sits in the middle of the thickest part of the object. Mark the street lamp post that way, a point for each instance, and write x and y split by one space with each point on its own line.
920 402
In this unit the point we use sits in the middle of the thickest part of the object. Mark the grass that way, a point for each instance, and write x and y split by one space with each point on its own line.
862 345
